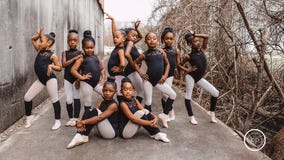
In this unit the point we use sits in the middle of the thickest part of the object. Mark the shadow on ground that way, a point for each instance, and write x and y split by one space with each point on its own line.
203 141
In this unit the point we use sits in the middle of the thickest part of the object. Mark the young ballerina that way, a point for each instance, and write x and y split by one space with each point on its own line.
134 115
131 54
116 61
68 59
156 75
89 70
105 116
173 55
46 61
195 73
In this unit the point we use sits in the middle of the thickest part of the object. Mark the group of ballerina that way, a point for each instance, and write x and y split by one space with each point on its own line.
120 113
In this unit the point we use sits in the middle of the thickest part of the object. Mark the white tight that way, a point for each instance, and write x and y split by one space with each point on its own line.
105 128
131 128
118 79
99 89
169 81
137 83
202 83
71 92
37 87
87 92
164 88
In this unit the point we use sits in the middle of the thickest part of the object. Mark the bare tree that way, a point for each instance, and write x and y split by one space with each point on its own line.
245 56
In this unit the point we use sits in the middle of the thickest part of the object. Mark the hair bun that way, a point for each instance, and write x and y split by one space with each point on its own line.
126 79
189 37
87 33
73 31
52 34
111 79
168 29
165 31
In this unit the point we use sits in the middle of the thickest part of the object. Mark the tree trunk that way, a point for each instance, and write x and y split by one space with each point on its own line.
254 108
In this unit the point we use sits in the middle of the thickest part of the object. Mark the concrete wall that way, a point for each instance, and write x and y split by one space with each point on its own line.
20 19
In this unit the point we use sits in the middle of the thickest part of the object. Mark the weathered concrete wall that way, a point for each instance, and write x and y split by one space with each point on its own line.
20 19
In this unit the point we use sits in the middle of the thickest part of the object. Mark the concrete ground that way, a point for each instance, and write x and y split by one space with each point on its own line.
202 141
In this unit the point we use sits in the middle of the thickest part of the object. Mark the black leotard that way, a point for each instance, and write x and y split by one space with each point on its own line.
71 53
114 61
134 55
41 64
132 107
91 65
172 57
198 59
155 63
114 118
